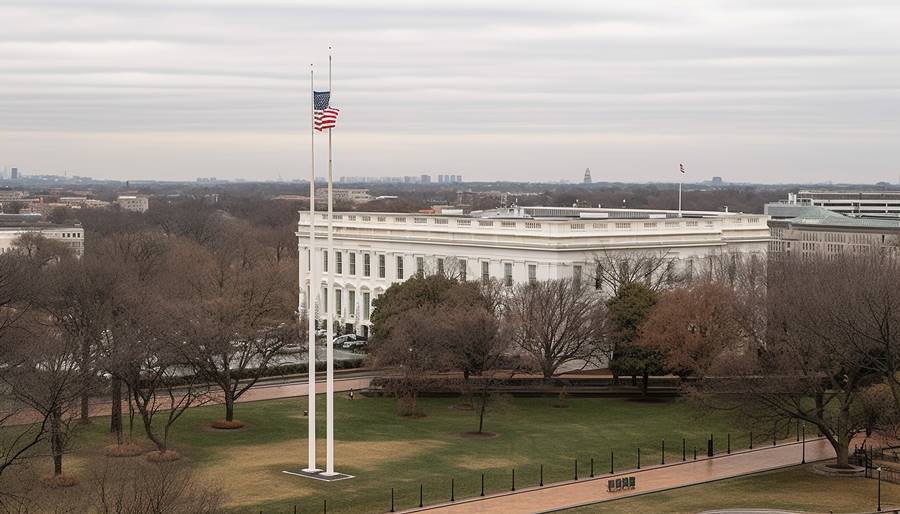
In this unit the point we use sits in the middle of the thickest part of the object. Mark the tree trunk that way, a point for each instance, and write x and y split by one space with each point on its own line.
115 418
842 450
645 384
56 441
229 405
86 381
484 401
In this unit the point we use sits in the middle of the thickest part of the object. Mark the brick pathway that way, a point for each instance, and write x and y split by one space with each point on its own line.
264 390
658 478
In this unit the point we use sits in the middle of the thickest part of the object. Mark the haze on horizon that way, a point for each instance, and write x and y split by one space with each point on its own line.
764 91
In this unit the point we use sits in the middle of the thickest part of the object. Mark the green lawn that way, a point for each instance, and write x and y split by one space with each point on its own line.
384 450
795 489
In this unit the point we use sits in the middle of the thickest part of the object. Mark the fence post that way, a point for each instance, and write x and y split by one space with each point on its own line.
751 440
482 484
775 434
392 501
514 479
592 467
452 491
683 449
663 451
611 462
639 457
576 468
728 449
420 495
798 430
325 506
695 453
295 509
542 476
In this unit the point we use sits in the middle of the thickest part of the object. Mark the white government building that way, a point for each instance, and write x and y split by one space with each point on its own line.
374 250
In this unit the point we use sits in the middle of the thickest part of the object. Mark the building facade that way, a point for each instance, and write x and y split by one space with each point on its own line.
862 204
344 195
134 203
70 236
822 232
374 250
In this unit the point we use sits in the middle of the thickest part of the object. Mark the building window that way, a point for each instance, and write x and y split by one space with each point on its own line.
351 303
325 261
338 307
381 266
420 266
507 274
352 258
339 262
532 273
440 266
485 272
576 275
366 299
462 271
598 277
400 267
325 299
367 265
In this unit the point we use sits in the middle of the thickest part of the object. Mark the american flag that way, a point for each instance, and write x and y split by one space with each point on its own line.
324 116
682 168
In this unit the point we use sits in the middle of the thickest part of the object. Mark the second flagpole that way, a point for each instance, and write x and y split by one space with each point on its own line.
329 330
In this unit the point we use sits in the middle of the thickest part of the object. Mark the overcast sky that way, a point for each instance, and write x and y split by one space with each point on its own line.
765 90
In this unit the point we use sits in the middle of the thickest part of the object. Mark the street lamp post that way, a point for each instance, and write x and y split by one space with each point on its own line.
879 488
803 459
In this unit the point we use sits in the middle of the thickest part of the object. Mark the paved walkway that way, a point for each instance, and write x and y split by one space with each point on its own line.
263 390
657 478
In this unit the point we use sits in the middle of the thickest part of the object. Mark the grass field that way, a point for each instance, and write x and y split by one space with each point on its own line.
794 489
386 451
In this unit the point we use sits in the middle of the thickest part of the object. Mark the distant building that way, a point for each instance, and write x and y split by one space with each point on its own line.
862 204
587 176
819 231
459 178
426 179
717 181
344 195
14 174
13 226
133 203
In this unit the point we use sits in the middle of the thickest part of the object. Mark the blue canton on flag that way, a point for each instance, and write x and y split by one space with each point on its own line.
320 99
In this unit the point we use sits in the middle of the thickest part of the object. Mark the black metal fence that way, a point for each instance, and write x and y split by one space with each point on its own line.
436 489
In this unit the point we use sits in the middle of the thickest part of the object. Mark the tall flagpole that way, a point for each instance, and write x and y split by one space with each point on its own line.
680 180
313 286
329 330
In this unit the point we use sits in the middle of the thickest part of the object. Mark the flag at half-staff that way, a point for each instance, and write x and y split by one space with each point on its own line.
324 116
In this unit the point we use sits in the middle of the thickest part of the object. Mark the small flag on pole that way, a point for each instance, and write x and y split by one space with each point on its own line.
682 168
324 116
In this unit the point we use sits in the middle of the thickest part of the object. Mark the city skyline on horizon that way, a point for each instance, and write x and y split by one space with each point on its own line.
491 90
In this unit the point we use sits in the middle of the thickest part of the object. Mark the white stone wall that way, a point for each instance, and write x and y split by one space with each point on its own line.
553 247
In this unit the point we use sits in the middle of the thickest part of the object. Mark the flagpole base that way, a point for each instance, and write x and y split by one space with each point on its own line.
318 475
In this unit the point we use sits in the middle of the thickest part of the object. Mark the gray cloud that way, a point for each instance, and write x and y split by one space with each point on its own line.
794 89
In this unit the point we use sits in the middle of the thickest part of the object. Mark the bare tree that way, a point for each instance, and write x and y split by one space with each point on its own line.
137 487
555 322
655 269
44 375
238 310
807 367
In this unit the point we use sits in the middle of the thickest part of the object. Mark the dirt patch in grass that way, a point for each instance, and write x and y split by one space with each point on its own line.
59 481
262 466
462 406
123 450
480 435
226 425
167 456
480 464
